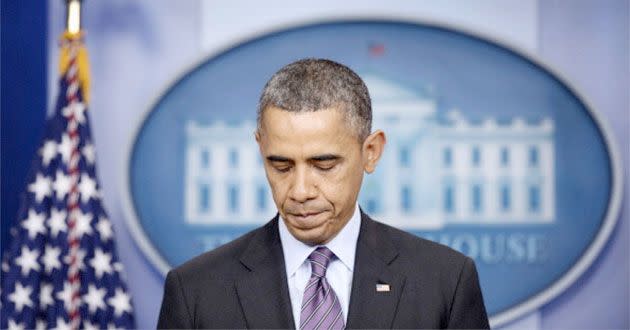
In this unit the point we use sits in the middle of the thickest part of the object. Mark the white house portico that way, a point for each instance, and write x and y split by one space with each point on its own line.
437 170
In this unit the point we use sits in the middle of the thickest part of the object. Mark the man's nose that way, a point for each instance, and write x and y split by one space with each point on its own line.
303 188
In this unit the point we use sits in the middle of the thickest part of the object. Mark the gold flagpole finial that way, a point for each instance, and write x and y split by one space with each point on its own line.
73 51
73 22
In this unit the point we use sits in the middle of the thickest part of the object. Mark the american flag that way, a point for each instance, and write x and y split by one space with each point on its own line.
61 269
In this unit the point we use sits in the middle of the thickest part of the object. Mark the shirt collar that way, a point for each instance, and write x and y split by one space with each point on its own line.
344 245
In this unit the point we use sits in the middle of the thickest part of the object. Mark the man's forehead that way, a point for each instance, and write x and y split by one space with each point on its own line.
305 134
306 148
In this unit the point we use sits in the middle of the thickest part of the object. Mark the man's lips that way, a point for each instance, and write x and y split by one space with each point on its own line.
307 220
307 214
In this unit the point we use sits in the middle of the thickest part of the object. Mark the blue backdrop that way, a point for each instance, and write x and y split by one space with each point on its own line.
24 78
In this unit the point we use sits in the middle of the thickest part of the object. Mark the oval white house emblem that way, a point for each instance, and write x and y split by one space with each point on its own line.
488 152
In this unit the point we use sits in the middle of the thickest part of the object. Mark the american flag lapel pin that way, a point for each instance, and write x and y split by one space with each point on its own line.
382 287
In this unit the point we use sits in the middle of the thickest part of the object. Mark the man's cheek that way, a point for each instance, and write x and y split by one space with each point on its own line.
277 194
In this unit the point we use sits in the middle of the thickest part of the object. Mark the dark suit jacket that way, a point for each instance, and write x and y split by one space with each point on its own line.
243 284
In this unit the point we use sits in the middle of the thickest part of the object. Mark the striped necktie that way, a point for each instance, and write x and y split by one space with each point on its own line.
320 307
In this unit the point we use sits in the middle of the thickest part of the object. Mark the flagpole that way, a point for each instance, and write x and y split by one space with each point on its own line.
73 35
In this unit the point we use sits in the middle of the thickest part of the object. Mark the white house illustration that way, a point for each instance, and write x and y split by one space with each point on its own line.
436 171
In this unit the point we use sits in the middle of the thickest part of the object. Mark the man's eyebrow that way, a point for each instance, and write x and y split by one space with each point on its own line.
325 157
274 158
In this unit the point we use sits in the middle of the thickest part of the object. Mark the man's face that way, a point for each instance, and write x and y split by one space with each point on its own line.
314 163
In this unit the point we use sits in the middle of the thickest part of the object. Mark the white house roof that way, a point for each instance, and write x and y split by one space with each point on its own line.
391 98
382 89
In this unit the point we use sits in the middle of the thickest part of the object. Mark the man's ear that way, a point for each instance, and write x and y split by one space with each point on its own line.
373 147
257 136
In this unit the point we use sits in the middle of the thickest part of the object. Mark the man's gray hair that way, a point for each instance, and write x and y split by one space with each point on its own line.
318 84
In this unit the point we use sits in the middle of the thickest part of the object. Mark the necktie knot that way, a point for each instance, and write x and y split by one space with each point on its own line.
320 259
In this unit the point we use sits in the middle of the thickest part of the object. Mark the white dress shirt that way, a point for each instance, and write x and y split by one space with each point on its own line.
339 272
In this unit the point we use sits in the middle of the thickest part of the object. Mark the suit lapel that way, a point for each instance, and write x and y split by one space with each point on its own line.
263 291
370 308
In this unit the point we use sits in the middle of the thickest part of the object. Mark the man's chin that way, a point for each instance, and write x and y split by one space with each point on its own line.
310 236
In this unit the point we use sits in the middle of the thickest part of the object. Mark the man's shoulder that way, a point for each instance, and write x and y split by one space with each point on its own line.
223 260
415 248
436 273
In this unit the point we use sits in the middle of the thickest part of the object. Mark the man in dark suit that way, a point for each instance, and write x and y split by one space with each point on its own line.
322 262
